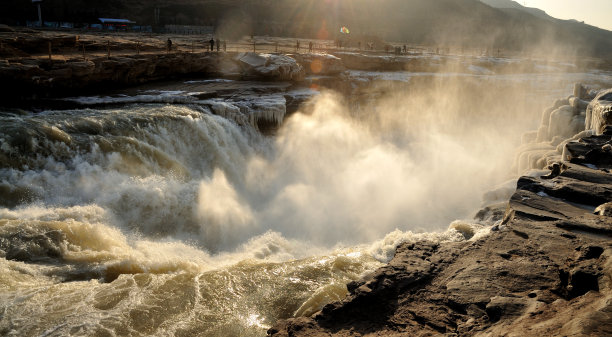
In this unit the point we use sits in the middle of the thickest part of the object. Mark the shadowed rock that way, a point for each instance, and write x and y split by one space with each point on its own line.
544 270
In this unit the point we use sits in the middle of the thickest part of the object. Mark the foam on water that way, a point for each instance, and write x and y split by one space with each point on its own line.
173 220
121 195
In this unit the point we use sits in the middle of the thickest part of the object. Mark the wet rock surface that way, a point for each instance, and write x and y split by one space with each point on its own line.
545 269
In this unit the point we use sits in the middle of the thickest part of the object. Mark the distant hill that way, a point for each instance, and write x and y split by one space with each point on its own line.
453 23
505 4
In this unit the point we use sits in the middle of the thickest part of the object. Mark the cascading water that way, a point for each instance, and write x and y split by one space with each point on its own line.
166 219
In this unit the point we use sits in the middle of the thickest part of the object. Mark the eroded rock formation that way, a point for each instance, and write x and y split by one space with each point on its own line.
544 269
599 112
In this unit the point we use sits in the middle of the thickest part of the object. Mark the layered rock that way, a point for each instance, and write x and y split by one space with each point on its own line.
544 269
43 76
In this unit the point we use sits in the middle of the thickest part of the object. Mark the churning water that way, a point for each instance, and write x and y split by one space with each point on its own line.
166 219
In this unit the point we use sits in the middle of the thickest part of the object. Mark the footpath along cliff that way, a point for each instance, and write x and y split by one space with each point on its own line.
545 268
45 64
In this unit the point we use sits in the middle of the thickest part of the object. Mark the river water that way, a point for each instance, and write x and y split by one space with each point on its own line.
167 213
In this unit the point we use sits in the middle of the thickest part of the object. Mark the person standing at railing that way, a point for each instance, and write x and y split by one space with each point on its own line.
212 44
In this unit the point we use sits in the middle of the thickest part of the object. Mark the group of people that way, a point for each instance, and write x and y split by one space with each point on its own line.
212 43
297 46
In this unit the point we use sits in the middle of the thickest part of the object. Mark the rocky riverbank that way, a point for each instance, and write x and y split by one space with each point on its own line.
544 269
35 64
44 77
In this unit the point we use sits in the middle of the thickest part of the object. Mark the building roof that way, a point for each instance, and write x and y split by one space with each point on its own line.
107 20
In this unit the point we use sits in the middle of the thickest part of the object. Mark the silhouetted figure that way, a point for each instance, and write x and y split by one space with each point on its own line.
212 44
297 45
405 50
310 46
224 45
218 44
169 45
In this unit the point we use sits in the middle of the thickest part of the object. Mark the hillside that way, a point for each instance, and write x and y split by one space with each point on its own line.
456 23
510 4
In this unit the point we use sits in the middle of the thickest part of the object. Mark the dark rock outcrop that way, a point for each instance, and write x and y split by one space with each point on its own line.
545 269
43 77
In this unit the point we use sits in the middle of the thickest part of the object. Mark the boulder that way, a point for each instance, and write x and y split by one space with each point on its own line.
599 112
270 66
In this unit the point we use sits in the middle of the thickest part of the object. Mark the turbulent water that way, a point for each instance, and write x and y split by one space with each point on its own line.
166 219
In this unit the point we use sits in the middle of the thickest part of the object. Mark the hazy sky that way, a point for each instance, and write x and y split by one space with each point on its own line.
594 12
